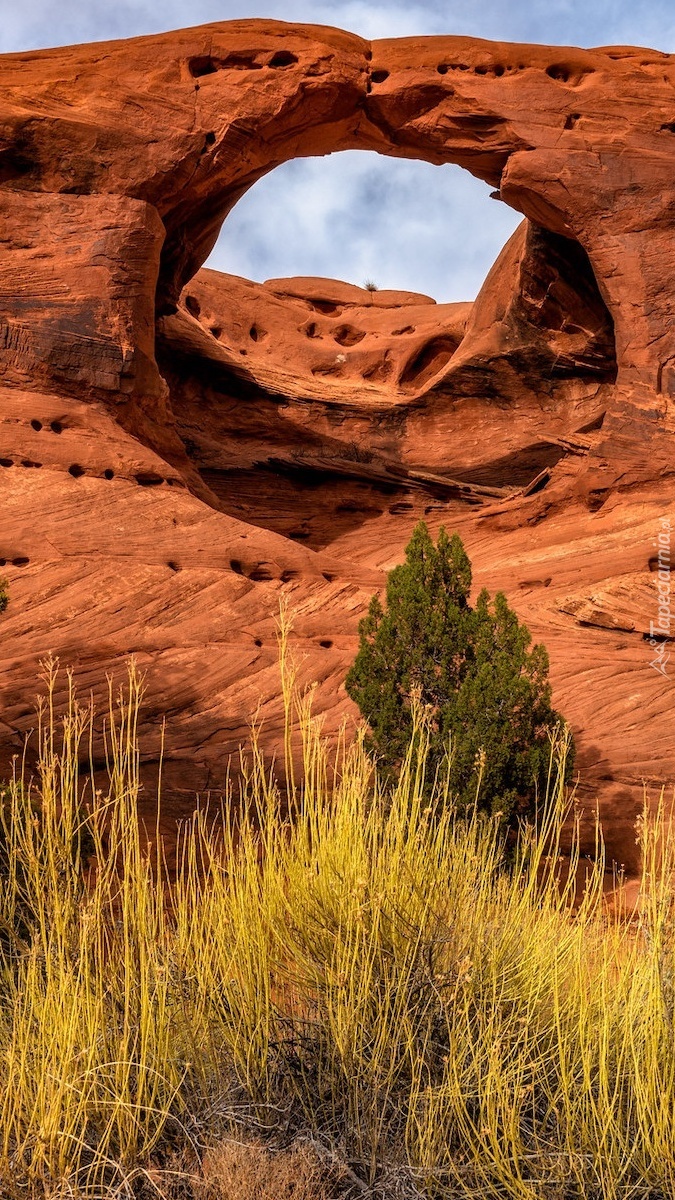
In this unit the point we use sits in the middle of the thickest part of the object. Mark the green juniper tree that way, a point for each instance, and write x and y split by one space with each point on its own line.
487 693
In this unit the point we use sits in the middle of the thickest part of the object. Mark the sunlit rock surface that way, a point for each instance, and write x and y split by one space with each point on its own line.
180 449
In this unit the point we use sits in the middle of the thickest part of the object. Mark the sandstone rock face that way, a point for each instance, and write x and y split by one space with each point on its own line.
180 449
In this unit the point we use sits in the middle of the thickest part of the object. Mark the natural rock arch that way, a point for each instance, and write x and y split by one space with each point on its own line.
179 125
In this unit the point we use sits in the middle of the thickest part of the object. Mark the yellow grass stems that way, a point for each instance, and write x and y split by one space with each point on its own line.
354 966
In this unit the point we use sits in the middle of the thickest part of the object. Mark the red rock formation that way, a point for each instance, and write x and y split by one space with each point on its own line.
178 449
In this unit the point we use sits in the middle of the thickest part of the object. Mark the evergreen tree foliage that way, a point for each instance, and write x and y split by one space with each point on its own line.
487 694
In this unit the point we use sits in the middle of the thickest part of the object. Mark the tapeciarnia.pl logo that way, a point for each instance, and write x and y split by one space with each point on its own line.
660 631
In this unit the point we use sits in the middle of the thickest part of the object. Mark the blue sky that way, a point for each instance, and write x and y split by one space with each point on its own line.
360 216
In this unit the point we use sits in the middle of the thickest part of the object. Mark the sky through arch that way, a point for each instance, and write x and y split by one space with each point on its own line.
357 215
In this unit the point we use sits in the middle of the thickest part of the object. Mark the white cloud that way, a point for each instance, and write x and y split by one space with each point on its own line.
38 23
358 216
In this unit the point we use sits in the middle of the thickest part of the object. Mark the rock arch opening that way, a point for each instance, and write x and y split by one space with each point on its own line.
405 224
452 101
305 381
309 407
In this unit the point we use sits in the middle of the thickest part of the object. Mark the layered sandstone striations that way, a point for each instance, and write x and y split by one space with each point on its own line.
179 449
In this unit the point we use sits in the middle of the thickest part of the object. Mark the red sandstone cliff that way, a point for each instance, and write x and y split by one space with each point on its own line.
179 448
